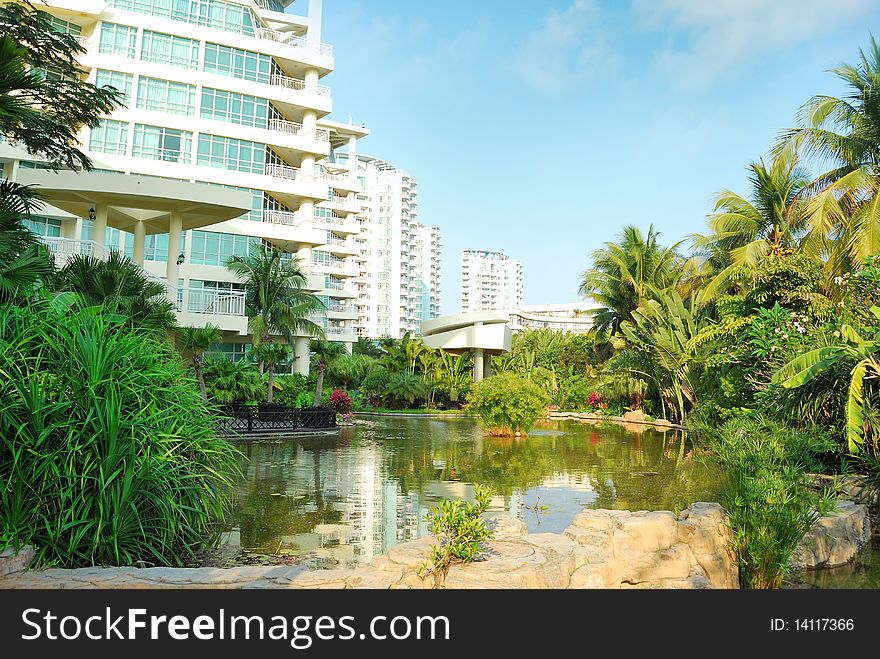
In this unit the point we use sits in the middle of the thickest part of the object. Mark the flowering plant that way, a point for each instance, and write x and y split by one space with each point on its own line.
340 401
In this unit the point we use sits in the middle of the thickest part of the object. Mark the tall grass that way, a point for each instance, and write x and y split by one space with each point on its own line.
767 494
108 455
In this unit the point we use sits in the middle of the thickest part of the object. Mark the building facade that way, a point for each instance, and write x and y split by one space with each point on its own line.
490 281
398 283
223 142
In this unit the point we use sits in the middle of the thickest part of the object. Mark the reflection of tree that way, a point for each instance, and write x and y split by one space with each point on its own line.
264 511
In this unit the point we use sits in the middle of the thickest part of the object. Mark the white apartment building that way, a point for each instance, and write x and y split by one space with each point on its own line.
223 141
399 258
490 281
574 318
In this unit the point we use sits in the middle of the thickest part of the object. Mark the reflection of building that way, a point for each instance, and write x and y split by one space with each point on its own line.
490 281
574 317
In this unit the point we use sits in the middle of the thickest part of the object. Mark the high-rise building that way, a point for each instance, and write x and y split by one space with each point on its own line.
399 258
223 142
490 281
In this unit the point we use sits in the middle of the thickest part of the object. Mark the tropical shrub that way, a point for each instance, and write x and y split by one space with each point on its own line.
229 382
770 503
340 401
289 388
461 533
108 454
404 388
508 404
374 385
574 393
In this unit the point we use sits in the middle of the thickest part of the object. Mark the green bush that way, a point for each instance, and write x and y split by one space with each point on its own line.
290 387
574 393
508 404
374 384
460 531
108 455
767 495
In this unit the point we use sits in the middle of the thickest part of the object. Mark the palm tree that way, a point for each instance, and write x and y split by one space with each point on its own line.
195 341
745 230
843 216
119 284
325 352
276 301
230 382
23 261
626 273
366 347
270 355
348 369
405 386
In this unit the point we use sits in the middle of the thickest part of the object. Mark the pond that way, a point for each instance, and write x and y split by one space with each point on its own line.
342 500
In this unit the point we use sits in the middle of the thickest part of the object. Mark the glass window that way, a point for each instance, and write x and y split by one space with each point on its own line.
121 81
212 13
159 143
166 96
109 136
170 49
230 153
156 246
43 226
237 63
117 40
234 108
210 248
65 27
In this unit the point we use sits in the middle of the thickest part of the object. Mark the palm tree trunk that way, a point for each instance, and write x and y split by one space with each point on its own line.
271 393
319 388
197 365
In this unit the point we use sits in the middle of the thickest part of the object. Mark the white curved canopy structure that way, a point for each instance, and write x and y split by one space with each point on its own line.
480 332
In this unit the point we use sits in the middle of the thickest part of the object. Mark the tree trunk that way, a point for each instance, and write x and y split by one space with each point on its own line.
271 383
319 388
197 365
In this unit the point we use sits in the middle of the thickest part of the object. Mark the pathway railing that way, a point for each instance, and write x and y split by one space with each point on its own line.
269 418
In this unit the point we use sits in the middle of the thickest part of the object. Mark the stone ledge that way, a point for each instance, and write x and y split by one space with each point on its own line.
835 539
13 561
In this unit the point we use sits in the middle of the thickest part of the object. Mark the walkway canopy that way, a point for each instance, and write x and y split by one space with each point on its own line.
481 332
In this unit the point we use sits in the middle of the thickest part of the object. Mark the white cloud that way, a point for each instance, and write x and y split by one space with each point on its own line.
718 36
569 48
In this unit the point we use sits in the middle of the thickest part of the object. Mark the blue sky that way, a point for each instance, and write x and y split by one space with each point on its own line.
542 128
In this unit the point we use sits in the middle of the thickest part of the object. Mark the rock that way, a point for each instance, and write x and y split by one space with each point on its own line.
834 539
13 561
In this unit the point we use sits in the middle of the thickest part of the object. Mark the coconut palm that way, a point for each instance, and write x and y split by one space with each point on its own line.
627 272
23 261
843 214
276 301
325 353
121 285
367 347
745 230
194 341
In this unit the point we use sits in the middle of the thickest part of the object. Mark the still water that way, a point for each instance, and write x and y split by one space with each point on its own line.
342 500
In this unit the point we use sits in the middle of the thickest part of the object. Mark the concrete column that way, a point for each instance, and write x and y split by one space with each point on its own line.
352 152
307 168
140 240
306 214
69 228
311 80
310 123
172 270
100 224
479 368
301 355
349 347
316 17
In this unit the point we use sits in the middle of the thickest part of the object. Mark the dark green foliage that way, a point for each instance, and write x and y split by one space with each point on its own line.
232 382
108 455
508 404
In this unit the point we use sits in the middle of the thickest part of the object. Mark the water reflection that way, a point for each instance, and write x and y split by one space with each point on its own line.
343 500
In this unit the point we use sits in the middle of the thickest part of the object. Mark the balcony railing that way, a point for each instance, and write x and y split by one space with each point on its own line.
282 171
342 308
293 128
280 217
291 40
70 247
296 84
210 302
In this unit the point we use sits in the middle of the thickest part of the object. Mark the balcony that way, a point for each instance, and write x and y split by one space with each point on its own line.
285 218
293 128
296 84
285 172
63 248
291 40
209 302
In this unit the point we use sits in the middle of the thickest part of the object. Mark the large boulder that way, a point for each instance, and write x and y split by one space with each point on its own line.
834 539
